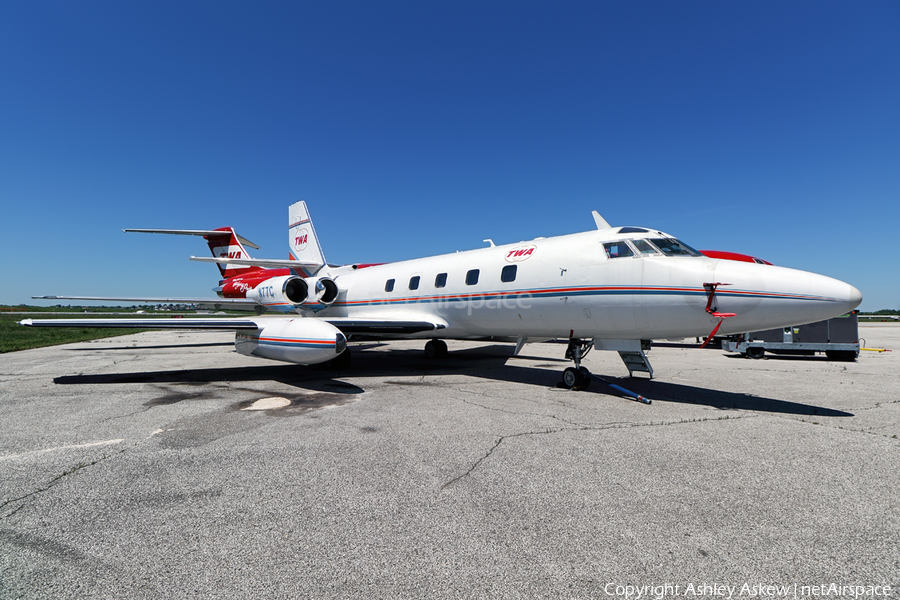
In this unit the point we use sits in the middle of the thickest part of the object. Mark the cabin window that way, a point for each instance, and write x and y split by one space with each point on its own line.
673 247
472 277
441 280
617 249
644 247
389 285
508 273
414 283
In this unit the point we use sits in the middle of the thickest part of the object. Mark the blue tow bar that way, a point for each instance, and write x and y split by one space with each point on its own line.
622 390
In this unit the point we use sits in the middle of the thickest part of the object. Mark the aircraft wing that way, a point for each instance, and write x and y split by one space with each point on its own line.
347 325
271 263
147 323
217 303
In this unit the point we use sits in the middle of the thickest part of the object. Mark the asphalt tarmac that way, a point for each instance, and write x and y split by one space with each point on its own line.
133 467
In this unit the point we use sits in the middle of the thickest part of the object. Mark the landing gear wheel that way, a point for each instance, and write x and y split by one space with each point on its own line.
585 378
756 352
436 349
570 377
576 379
341 361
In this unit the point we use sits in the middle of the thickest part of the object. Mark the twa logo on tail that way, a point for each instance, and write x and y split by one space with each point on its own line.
301 238
520 254
304 244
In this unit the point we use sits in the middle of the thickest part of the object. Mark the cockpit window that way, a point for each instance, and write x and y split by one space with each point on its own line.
644 247
617 249
673 247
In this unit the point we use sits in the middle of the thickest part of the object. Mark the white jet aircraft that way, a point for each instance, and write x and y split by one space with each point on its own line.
613 288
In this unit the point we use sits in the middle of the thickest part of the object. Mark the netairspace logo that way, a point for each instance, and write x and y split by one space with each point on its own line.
746 590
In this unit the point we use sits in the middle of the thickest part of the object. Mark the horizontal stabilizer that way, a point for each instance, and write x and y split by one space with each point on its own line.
224 233
271 263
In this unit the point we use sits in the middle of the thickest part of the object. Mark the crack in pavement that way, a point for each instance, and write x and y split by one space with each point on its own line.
845 426
617 425
866 430
514 412
879 405
51 483
143 410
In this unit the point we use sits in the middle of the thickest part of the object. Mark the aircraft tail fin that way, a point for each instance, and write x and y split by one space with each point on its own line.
223 243
302 239
227 244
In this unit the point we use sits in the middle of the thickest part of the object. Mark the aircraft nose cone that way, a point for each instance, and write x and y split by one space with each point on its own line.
855 297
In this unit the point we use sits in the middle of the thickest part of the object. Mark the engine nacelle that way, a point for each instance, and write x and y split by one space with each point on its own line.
305 341
323 290
283 293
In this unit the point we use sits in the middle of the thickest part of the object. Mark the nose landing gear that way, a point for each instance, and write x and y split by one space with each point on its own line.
579 378
576 378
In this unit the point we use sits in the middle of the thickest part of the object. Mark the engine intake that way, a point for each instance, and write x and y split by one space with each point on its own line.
324 291
287 292
296 290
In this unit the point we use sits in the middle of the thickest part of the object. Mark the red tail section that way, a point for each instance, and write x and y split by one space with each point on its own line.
227 245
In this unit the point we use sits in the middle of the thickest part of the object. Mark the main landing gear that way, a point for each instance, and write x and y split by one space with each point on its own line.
436 349
339 362
577 377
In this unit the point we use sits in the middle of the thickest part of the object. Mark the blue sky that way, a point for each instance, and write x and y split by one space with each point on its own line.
416 128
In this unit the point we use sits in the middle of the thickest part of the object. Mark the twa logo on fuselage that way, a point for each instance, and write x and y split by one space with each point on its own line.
301 238
520 254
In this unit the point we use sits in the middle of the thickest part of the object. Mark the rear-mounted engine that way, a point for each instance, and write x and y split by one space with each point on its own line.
323 290
290 291
287 291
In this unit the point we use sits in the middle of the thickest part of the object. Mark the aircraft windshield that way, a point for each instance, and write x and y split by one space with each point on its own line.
648 247
673 247
617 249
644 247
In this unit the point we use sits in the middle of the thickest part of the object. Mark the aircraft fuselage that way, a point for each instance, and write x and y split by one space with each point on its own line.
570 287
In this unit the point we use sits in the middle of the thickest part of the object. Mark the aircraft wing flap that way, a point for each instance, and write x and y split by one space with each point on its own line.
349 326
159 323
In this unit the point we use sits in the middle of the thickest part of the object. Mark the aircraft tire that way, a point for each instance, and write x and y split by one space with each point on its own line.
585 378
570 378
436 349
341 361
